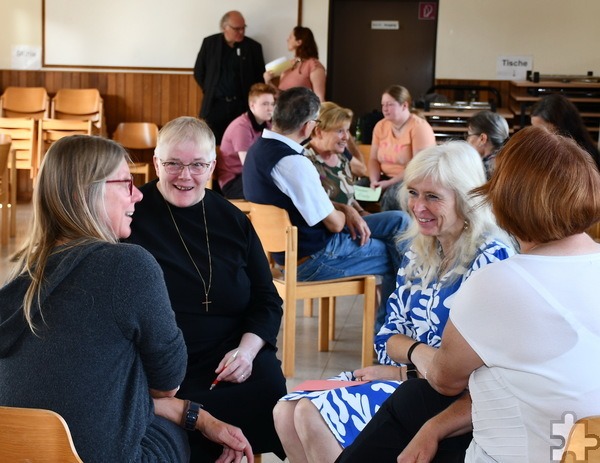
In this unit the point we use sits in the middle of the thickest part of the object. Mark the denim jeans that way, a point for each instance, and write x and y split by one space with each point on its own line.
381 255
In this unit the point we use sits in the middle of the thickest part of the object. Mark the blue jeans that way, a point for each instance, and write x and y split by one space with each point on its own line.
344 257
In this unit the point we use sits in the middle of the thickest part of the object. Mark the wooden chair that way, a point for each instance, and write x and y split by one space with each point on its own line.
35 436
84 104
583 443
366 152
137 136
594 231
24 141
25 102
8 189
50 130
277 234
242 205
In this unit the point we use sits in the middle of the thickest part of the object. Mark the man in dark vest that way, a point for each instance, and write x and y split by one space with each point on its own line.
227 65
332 243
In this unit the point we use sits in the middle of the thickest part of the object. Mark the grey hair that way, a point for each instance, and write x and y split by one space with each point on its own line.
492 124
226 17
295 107
184 129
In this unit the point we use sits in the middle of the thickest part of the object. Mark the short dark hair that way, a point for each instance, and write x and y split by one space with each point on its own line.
545 187
295 107
559 111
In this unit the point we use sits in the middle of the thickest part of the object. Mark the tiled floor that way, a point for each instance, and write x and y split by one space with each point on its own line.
344 351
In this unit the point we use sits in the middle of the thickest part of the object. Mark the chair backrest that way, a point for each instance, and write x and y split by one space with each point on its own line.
5 143
366 152
594 231
36 436
25 102
77 103
50 130
583 443
271 224
23 134
136 135
81 104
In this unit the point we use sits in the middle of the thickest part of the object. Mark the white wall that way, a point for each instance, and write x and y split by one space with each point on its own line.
143 34
561 35
21 25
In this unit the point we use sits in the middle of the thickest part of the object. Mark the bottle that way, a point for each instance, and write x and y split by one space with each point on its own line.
358 133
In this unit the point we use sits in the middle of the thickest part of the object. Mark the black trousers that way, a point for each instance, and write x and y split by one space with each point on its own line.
396 423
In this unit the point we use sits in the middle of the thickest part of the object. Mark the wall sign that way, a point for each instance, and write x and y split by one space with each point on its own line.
385 25
513 67
427 10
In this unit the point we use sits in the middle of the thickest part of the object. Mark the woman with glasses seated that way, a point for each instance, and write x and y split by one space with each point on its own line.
86 328
397 138
220 287
487 132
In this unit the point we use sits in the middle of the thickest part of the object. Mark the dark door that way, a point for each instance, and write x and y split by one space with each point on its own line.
362 61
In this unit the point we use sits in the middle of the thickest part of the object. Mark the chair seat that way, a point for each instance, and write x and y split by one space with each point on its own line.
277 234
35 435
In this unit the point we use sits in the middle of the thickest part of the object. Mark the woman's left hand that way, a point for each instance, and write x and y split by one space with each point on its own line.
236 370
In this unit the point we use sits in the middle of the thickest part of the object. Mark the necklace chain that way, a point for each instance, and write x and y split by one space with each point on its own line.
206 289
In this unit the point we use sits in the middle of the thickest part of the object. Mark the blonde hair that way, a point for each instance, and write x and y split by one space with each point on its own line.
332 116
183 129
68 206
454 165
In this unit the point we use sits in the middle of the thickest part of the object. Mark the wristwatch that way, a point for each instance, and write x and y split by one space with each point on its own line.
190 416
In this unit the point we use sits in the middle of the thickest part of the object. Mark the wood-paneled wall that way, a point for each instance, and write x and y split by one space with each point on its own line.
128 96
154 97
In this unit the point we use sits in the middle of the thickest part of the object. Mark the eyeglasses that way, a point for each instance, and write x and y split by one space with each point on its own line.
237 29
195 168
467 135
129 182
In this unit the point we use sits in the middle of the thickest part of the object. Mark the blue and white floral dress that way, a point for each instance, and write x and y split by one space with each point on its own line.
413 310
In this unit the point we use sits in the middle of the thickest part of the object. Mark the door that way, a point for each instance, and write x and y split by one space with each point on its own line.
363 61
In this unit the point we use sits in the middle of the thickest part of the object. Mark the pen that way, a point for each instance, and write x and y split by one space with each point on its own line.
229 360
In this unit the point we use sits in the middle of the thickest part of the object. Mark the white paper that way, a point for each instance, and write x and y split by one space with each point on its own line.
279 65
26 57
365 193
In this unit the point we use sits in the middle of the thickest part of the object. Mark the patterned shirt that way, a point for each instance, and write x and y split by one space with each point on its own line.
337 180
421 312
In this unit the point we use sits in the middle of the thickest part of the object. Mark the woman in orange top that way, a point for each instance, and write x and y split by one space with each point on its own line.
396 139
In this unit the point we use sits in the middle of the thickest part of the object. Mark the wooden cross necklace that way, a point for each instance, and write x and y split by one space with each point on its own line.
206 288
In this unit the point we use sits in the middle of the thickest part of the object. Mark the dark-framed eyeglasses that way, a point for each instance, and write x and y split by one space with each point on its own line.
238 29
195 168
129 182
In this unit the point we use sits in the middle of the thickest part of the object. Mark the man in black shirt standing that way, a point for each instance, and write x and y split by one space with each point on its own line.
227 65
